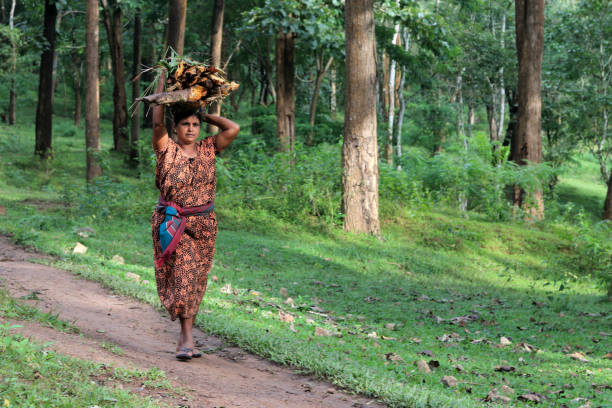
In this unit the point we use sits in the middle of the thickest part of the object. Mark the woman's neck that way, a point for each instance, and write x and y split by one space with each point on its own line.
188 149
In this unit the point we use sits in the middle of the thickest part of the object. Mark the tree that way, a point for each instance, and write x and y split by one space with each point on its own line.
176 25
136 60
12 114
92 92
285 90
44 109
112 22
530 46
360 147
216 41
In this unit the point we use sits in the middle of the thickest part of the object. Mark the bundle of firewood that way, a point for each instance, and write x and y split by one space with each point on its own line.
191 83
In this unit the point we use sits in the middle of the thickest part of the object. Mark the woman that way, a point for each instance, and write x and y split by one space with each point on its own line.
184 224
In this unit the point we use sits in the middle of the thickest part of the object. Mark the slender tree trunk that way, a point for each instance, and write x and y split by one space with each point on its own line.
12 111
216 41
607 213
502 88
360 146
391 117
492 119
44 109
112 22
529 44
332 95
176 25
402 101
76 86
58 24
285 91
136 61
320 74
92 92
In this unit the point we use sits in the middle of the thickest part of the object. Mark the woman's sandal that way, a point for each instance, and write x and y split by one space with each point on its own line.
184 354
196 353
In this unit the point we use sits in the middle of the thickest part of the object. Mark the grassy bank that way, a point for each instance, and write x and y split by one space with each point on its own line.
441 286
33 376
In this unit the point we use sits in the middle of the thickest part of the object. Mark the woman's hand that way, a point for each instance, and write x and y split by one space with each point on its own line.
229 130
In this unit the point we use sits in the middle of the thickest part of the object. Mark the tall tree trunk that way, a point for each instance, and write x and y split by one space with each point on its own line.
502 88
112 22
285 91
402 101
44 109
136 61
216 42
492 118
391 93
607 213
360 146
332 95
92 92
176 25
530 45
319 75
76 86
12 111
58 24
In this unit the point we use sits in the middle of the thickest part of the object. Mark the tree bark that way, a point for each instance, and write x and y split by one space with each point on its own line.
360 146
44 109
76 86
12 110
216 41
285 91
176 25
607 213
136 61
332 96
92 92
502 88
112 22
529 45
391 102
320 74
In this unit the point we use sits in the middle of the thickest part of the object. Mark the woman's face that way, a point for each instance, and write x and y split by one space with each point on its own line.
188 129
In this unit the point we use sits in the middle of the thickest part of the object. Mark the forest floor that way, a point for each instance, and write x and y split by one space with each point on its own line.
116 331
511 310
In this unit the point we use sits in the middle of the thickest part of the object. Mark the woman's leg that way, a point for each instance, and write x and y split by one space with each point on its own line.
186 336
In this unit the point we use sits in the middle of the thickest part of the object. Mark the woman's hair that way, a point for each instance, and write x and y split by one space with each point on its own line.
181 111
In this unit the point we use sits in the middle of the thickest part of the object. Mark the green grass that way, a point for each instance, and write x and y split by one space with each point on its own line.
32 375
532 283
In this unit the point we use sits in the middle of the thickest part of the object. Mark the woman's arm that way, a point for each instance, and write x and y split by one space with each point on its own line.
160 133
229 130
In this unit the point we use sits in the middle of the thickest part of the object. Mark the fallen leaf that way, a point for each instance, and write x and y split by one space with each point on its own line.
494 396
393 357
372 335
118 259
289 302
284 292
462 320
319 331
433 364
416 340
285 317
480 340
423 298
132 276
578 356
371 299
227 289
428 353
79 248
507 390
423 367
505 369
390 326
214 278
449 381
459 368
531 398
387 338
527 347
504 341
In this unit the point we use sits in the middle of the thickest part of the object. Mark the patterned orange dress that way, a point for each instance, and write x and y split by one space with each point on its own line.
181 280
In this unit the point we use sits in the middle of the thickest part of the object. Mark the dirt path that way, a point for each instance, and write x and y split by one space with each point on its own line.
228 377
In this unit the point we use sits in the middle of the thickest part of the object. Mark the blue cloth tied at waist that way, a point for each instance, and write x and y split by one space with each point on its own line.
173 226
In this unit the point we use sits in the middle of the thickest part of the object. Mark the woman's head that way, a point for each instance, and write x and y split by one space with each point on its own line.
187 124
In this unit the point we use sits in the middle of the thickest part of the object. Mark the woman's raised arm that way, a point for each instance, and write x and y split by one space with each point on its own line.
229 130
160 133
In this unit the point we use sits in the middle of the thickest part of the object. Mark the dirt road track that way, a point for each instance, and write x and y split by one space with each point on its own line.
228 377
